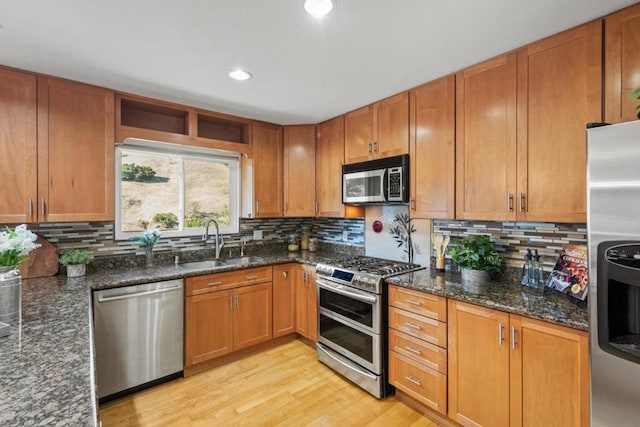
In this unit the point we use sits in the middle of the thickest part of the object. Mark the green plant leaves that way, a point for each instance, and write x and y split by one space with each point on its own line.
476 253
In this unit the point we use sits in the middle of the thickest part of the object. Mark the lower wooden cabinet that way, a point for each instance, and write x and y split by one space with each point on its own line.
506 369
226 320
284 299
306 302
418 346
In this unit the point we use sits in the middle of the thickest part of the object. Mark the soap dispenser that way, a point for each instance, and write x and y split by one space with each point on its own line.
538 273
526 269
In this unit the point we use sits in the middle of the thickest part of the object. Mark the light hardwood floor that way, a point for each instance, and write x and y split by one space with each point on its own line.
282 386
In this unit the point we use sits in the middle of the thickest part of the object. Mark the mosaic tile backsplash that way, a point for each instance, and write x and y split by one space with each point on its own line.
99 236
512 239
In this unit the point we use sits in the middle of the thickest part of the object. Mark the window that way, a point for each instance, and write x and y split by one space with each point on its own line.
174 187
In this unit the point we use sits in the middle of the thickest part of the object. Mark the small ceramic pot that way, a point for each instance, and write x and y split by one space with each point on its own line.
76 270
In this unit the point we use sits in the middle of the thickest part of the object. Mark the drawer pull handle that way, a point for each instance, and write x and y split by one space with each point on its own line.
252 277
413 325
413 350
413 380
413 302
214 283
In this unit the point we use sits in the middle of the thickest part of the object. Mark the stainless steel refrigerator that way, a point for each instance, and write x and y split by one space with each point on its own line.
613 221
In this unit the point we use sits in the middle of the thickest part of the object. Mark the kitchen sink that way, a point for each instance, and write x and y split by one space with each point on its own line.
214 263
244 260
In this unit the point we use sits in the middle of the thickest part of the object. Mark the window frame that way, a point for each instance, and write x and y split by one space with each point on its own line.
184 152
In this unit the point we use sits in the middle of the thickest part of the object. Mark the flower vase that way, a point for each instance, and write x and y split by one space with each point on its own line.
10 293
149 253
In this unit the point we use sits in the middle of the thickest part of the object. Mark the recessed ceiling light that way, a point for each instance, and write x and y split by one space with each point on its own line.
318 8
239 74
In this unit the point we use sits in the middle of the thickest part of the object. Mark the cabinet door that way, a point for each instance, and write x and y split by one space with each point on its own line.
391 123
312 304
302 305
622 64
267 170
18 147
284 299
208 326
486 140
299 171
76 146
549 374
252 323
559 92
478 365
358 135
329 160
432 149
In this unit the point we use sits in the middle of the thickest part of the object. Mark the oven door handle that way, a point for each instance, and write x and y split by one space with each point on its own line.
351 367
341 290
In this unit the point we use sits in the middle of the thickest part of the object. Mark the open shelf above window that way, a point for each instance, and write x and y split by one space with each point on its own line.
153 117
222 129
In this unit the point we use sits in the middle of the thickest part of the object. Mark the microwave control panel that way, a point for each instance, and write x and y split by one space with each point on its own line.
394 175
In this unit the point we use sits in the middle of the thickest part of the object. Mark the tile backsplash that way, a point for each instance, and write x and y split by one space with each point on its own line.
99 236
512 239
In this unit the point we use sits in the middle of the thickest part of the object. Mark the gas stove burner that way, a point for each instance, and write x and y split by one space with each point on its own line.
378 266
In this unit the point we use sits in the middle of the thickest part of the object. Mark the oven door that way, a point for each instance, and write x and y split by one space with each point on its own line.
350 305
364 187
358 345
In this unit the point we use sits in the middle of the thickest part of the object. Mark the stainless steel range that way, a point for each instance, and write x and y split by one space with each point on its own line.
352 311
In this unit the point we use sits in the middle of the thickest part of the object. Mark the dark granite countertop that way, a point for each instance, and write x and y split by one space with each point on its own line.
46 364
510 297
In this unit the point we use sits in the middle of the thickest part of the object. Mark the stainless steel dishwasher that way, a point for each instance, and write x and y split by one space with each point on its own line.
138 336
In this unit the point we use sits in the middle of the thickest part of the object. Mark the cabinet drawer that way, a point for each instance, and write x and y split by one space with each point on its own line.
418 302
421 327
219 281
423 384
430 355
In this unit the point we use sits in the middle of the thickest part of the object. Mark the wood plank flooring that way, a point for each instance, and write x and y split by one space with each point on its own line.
282 386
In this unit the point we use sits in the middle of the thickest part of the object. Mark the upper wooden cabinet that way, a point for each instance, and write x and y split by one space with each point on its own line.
138 117
75 126
299 171
559 92
18 147
622 64
267 170
329 161
378 130
524 368
432 149
486 140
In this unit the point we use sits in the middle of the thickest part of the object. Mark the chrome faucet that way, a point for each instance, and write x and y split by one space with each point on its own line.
243 243
219 238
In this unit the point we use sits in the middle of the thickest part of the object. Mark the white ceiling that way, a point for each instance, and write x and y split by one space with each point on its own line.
306 70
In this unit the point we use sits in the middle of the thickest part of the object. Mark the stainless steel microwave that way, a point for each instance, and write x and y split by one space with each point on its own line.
376 182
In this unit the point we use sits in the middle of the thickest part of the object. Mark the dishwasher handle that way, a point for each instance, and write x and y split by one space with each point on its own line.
140 294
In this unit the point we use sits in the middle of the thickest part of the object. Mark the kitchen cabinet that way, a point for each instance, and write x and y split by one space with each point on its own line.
306 302
523 157
486 140
75 123
622 64
284 299
329 161
267 170
225 312
432 149
505 369
18 147
299 171
152 119
418 346
378 130
69 123
559 92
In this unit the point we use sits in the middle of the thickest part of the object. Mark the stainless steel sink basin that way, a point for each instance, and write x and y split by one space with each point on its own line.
214 263
244 260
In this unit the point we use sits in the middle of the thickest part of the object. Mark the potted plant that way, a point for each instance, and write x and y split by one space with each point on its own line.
477 257
636 94
76 262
